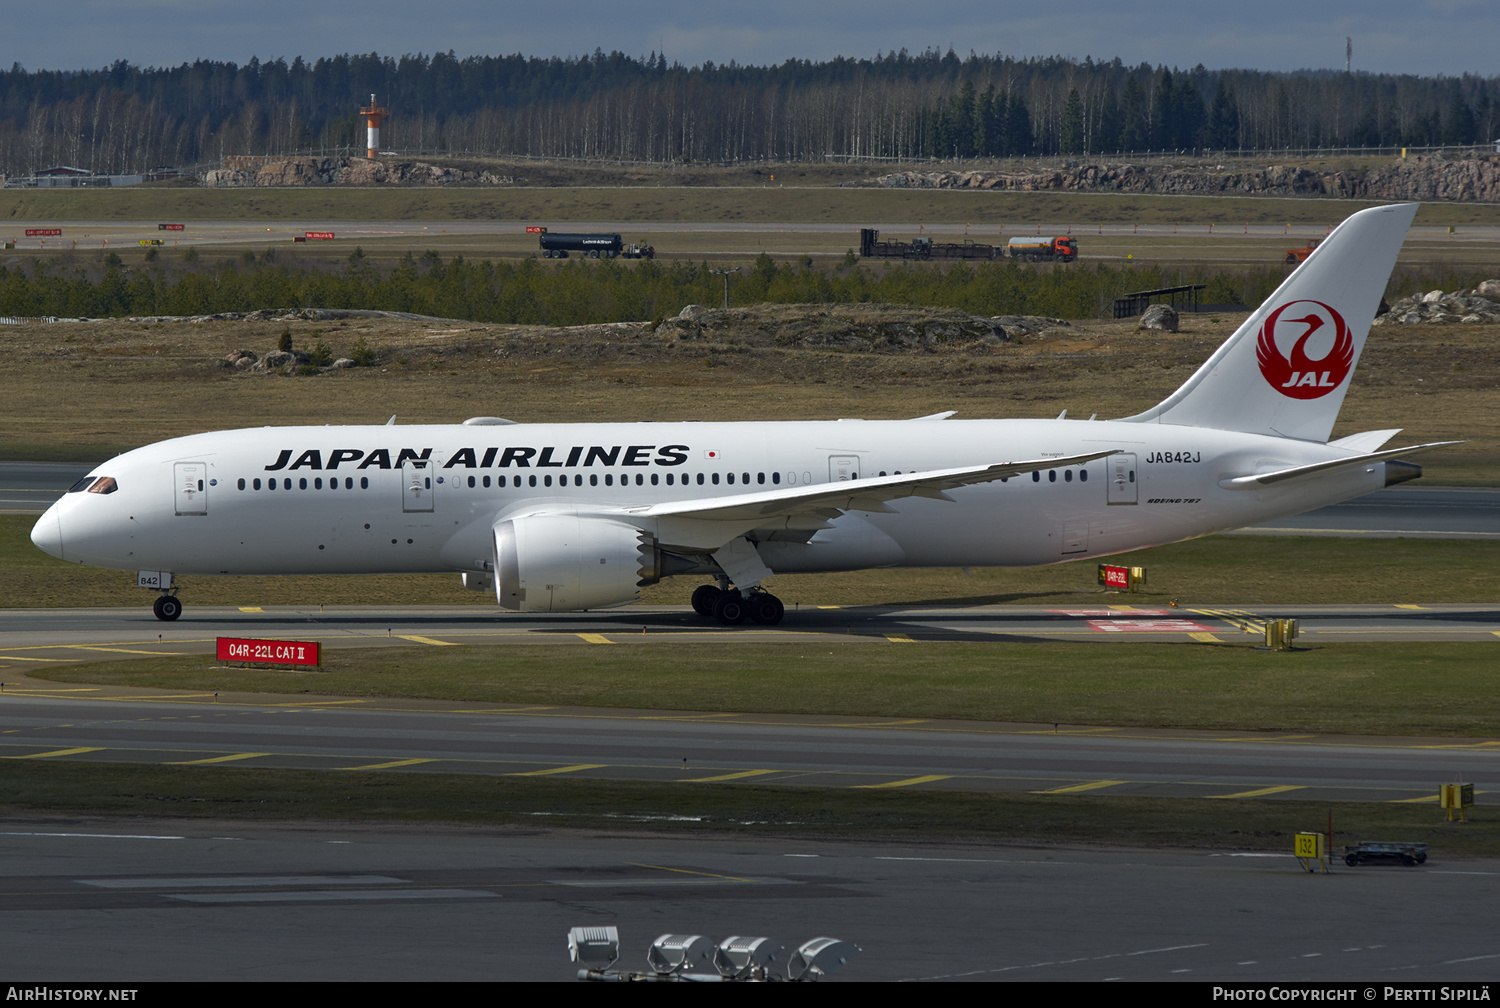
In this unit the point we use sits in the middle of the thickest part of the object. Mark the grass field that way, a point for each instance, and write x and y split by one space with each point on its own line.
89 791
807 204
1429 689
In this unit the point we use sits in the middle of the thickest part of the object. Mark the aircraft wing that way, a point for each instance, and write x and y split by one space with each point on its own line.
829 499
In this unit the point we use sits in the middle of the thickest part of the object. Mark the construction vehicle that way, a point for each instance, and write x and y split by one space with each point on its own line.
595 246
871 247
1295 256
1043 249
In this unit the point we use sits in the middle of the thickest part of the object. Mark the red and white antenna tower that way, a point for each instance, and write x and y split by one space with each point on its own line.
373 115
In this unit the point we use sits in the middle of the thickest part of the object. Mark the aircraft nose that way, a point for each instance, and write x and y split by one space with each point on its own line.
47 534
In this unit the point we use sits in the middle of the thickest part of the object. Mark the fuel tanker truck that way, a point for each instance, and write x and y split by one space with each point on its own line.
595 246
1038 249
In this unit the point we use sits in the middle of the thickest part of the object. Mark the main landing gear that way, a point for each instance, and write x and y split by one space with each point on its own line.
167 607
728 606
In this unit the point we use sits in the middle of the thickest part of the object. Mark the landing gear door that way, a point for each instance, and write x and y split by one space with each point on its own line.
1123 484
190 487
416 485
1075 536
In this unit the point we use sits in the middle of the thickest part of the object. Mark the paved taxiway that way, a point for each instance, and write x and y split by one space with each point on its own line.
51 635
98 234
117 902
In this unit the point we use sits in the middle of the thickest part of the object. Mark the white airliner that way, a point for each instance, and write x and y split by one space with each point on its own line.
560 517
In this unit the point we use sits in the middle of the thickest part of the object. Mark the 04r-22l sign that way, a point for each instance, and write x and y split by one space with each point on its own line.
251 651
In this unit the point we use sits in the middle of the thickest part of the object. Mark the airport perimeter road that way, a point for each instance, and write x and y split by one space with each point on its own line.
65 721
117 902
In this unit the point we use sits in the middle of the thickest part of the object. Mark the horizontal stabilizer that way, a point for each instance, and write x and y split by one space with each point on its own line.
1367 441
1296 472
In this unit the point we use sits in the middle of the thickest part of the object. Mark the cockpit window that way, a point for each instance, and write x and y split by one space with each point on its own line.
82 484
106 485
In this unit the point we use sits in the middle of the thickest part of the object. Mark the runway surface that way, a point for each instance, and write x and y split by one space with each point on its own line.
112 902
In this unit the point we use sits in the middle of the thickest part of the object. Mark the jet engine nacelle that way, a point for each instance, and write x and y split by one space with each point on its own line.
563 563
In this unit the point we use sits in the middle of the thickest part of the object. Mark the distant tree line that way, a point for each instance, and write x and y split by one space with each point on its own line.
612 106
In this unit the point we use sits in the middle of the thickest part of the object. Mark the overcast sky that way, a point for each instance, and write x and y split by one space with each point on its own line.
1426 37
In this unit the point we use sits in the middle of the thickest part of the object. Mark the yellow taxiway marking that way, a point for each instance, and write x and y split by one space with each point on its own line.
899 638
1235 618
908 782
418 638
9 657
729 776
251 608
688 871
1400 605
562 769
1090 786
59 752
596 638
393 763
1415 801
1206 638
49 690
1278 789
121 650
219 759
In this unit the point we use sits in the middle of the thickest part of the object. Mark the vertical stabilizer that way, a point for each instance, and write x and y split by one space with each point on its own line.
1286 370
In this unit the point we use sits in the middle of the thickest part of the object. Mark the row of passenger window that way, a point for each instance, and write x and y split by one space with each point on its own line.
594 479
303 483
641 479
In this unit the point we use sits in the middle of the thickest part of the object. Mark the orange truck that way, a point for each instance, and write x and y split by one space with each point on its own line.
1037 249
1295 256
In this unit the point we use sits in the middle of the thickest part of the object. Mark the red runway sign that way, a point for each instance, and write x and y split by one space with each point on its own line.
267 652
43 232
317 234
170 227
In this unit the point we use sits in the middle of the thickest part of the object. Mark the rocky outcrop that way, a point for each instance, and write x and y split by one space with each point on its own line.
346 172
1480 306
1474 180
864 328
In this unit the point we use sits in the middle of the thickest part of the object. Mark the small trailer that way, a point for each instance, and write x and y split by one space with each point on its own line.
1409 854
925 249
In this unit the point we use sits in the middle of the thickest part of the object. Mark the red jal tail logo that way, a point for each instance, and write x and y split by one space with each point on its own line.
1297 375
